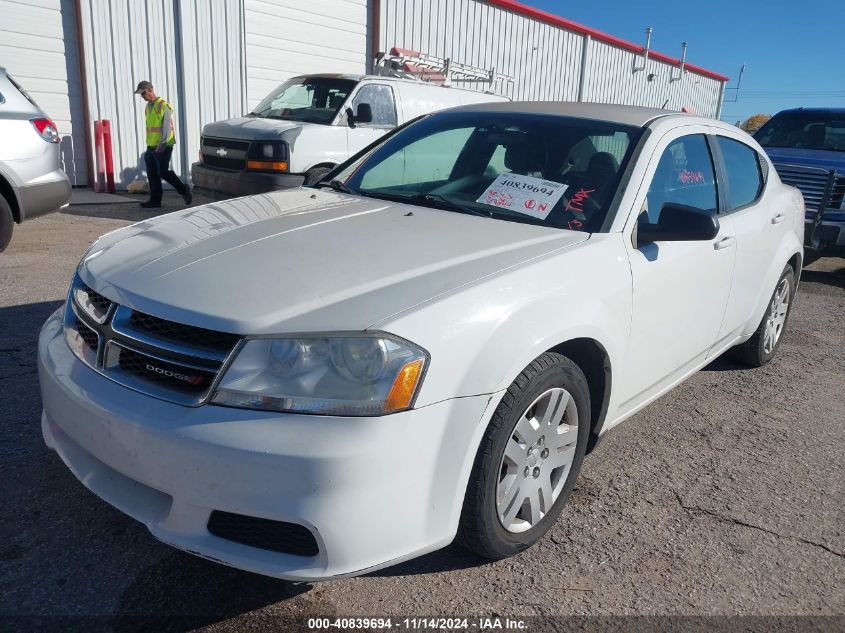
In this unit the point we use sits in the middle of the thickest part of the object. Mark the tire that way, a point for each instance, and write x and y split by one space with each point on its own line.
7 224
760 349
553 389
314 175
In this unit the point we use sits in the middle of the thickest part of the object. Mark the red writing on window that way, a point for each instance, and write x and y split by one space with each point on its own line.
691 177
577 201
499 198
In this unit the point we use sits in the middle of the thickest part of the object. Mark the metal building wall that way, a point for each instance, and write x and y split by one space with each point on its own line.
545 60
191 51
38 47
285 38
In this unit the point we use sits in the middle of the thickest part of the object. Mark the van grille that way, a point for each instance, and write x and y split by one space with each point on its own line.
224 153
820 187
165 359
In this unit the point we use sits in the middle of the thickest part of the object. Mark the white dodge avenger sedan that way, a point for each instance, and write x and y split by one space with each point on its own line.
321 382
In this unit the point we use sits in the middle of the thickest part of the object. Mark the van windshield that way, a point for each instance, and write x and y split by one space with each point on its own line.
309 99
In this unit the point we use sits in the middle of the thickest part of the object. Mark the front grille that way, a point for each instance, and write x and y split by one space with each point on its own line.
168 360
183 334
814 184
232 164
275 536
228 143
235 153
92 303
98 300
172 375
88 335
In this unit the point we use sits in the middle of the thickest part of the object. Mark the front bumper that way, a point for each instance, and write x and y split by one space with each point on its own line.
372 491
241 183
830 235
46 194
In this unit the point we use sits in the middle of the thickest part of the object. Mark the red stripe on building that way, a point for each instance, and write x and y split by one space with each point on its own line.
556 20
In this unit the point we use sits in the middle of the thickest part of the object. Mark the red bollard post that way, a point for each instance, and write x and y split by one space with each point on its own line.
99 179
107 150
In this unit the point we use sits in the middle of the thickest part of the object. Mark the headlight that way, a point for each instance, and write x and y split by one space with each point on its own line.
355 375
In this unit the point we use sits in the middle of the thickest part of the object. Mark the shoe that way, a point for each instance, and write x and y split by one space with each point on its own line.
188 197
149 204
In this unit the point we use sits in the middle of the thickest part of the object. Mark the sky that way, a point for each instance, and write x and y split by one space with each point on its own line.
794 52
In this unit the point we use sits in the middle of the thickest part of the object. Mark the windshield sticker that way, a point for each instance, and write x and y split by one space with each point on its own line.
576 203
524 194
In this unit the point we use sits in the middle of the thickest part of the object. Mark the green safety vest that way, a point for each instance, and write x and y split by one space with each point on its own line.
155 120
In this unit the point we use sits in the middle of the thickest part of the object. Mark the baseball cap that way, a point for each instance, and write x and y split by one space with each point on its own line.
144 85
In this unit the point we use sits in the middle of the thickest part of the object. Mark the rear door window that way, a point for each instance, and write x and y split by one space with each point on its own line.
742 167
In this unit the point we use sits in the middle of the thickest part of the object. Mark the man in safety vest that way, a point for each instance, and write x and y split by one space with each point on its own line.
161 138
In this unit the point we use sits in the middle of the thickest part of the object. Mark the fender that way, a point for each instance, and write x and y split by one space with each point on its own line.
788 248
9 188
497 326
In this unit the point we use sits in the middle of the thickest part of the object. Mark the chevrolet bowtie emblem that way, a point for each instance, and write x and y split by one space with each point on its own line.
221 151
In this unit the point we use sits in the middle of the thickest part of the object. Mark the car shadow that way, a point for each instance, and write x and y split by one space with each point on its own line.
834 277
725 363
131 210
183 593
451 558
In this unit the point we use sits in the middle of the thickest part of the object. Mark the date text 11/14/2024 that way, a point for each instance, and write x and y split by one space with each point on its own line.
481 624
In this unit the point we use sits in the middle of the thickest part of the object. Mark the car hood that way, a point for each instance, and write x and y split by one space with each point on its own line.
250 128
807 157
304 260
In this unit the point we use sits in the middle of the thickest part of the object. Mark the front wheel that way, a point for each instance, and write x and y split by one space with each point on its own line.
528 460
764 343
315 175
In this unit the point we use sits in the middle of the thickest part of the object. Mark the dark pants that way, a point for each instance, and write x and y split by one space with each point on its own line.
158 169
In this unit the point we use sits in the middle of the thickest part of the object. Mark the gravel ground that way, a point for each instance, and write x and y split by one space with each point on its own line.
725 497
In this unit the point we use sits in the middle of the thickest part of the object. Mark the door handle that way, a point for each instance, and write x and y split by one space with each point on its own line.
724 242
780 217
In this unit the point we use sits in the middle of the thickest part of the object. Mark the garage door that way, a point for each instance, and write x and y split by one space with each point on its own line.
41 54
290 37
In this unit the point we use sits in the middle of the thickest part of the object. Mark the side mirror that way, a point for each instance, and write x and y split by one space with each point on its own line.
678 223
364 114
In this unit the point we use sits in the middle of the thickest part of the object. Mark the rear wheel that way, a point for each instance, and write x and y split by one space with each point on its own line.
7 223
764 343
528 460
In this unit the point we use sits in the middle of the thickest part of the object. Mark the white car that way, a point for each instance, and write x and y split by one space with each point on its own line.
321 382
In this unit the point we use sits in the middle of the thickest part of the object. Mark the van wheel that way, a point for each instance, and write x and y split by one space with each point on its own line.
7 224
528 460
313 176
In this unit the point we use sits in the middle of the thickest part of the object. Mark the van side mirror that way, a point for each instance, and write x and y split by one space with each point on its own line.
678 223
363 115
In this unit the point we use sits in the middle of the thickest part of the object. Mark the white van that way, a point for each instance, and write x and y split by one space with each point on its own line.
310 124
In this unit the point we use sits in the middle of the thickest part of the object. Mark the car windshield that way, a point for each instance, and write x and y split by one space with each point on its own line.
804 130
309 99
549 170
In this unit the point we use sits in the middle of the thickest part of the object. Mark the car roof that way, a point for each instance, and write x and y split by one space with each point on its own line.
627 115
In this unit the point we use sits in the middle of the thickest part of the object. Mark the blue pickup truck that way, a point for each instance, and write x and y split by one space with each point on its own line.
807 147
